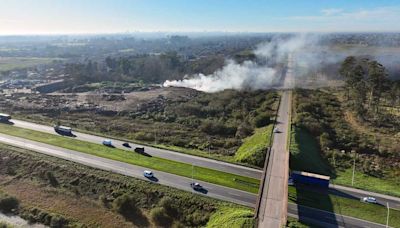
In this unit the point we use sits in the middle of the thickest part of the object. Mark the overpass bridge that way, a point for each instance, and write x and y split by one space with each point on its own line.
271 208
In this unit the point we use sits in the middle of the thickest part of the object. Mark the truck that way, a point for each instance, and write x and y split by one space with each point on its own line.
63 130
5 118
311 179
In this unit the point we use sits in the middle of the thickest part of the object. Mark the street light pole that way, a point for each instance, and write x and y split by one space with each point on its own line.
354 169
387 218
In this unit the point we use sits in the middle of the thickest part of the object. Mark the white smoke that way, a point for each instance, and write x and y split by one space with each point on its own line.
231 76
247 75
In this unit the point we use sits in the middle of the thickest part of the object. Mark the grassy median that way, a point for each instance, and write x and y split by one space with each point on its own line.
344 206
178 168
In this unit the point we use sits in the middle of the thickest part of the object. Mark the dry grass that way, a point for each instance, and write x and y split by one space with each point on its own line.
77 208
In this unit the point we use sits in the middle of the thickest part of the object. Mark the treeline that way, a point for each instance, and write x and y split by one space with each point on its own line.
368 88
321 114
149 68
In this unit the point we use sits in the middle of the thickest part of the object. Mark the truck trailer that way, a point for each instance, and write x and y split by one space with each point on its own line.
311 179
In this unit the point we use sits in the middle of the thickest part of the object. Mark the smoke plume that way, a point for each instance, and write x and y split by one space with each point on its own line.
314 65
247 75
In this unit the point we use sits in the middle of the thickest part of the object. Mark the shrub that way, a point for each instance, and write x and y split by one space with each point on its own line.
261 120
160 217
168 204
125 205
57 222
52 179
8 203
217 128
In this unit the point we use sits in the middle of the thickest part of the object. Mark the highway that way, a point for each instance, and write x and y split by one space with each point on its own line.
183 183
162 153
394 202
327 219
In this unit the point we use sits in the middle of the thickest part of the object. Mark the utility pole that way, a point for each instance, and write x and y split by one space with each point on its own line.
354 169
387 218
192 176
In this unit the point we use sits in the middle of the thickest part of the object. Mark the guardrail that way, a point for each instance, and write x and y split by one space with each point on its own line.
261 188
266 162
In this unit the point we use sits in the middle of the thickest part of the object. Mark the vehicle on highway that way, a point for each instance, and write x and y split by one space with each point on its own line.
369 199
107 142
139 149
290 182
276 130
63 130
196 186
4 118
126 144
148 174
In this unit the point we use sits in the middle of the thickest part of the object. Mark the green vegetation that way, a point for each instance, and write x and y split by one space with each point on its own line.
294 223
206 124
12 63
178 168
325 141
304 153
79 186
364 181
227 217
368 89
344 206
5 225
254 148
36 215
8 204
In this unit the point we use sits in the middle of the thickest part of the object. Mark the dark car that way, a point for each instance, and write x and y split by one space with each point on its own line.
125 144
196 186
139 149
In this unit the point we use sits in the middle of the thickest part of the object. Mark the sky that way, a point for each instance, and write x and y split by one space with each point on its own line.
120 16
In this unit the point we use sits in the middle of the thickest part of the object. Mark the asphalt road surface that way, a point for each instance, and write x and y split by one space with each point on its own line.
183 183
394 202
167 154
327 219
214 191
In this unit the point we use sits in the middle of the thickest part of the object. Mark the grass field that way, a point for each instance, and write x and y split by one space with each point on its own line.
344 206
178 168
227 217
85 195
362 181
304 153
254 147
12 63
305 156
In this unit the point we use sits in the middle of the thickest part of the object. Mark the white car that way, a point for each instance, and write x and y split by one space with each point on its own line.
369 199
148 174
107 142
276 130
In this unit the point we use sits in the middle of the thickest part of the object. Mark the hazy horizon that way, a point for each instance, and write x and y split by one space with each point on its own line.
74 17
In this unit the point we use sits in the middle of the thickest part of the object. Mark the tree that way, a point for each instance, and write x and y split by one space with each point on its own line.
346 70
376 82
